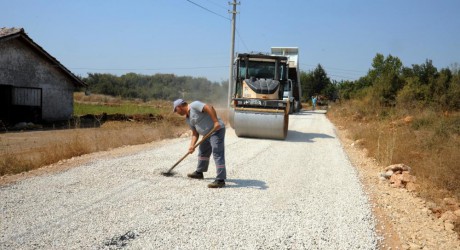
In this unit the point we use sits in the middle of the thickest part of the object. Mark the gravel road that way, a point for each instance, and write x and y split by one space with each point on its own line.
301 193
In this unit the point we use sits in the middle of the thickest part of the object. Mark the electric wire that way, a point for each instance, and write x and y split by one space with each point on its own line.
152 69
217 14
240 38
339 69
344 74
218 5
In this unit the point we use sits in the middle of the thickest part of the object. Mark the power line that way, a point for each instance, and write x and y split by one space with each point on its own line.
153 69
343 73
345 77
218 5
349 70
238 33
340 69
209 10
239 36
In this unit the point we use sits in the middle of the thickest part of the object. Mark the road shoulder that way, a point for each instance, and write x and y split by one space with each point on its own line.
66 164
403 219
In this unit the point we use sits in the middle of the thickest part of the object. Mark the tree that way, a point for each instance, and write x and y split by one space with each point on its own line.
385 78
317 83
425 72
453 93
320 80
383 67
305 79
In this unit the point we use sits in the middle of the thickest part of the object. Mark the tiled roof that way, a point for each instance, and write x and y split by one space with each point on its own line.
13 33
10 31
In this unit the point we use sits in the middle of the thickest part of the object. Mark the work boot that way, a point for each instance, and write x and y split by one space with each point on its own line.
195 175
217 184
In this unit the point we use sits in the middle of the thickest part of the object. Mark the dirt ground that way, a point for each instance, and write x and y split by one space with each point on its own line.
404 221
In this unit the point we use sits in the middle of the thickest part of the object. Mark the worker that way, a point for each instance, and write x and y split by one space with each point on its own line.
202 119
313 101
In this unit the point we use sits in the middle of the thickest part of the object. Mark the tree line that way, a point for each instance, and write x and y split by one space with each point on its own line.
158 86
390 83
387 83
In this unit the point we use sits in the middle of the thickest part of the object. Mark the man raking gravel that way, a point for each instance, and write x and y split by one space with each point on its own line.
202 119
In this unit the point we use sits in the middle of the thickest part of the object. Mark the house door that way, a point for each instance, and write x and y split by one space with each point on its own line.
26 104
5 104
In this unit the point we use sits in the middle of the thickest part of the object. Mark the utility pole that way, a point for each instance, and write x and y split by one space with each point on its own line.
232 52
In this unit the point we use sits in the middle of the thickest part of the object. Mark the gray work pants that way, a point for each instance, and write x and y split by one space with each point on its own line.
215 145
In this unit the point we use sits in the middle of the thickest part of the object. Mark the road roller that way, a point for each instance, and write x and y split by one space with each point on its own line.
257 108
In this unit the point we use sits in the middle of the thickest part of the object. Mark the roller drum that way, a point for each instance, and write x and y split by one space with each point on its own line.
268 125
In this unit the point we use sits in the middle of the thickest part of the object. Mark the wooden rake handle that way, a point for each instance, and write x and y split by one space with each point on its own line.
196 145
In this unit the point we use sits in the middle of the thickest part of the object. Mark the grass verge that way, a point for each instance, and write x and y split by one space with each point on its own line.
64 144
24 151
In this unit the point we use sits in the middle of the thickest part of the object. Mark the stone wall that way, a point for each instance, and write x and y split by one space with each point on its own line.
21 65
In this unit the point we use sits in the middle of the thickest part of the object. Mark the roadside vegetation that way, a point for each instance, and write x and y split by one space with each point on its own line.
408 115
426 140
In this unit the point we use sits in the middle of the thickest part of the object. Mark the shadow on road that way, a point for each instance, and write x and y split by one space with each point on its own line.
301 113
296 136
310 112
239 183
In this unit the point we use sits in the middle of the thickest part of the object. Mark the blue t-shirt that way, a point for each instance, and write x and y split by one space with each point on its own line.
199 120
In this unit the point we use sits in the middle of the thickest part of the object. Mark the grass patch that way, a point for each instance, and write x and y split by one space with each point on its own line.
124 108
97 104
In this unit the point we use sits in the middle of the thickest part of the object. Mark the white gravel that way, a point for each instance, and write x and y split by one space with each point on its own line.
301 193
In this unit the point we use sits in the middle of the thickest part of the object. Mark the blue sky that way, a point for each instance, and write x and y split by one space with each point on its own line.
176 36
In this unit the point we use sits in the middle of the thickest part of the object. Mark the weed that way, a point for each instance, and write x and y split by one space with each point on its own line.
421 123
13 163
428 143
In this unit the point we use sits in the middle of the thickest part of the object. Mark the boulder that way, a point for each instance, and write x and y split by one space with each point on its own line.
450 201
431 205
20 125
398 167
449 226
457 213
402 179
396 182
448 216
408 119
406 177
388 174
451 204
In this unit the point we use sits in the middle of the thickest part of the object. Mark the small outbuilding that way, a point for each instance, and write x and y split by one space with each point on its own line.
34 86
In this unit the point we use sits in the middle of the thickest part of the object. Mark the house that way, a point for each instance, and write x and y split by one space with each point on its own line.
34 86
